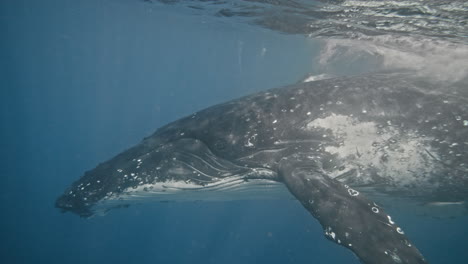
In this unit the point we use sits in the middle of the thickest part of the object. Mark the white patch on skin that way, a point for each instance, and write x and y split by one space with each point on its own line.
329 233
363 145
394 257
390 220
375 210
319 77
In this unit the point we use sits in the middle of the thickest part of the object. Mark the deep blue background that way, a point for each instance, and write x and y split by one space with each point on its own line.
83 80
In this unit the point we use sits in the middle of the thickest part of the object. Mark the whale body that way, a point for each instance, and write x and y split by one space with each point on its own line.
329 144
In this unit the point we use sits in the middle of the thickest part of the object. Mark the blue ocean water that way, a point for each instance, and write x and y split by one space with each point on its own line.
83 80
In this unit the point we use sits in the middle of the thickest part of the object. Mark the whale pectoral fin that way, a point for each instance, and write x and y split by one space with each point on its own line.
348 218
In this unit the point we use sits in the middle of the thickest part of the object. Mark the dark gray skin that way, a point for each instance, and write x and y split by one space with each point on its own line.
388 133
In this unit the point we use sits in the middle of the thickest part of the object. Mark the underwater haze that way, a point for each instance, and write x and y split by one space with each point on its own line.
83 80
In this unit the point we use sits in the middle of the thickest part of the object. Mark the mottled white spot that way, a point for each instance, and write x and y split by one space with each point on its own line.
465 122
366 145
375 210
249 143
274 121
390 220
364 111
119 170
350 245
309 113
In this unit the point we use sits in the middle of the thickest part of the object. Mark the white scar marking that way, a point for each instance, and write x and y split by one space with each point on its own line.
250 144
393 154
353 192
375 210
399 231
390 220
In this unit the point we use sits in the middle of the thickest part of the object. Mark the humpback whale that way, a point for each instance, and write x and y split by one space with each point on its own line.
332 144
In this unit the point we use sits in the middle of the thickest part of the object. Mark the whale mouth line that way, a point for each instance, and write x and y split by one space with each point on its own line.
182 169
233 188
